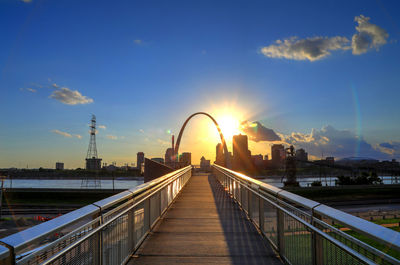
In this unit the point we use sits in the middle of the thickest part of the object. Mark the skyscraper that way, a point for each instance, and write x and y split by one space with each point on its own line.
169 155
278 155
241 154
220 158
139 160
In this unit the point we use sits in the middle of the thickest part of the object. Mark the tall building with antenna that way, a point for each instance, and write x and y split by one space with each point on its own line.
92 161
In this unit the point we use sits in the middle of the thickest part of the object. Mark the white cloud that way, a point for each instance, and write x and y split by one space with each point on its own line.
141 130
333 142
26 1
102 127
28 89
65 134
138 42
369 36
55 85
305 49
70 97
112 137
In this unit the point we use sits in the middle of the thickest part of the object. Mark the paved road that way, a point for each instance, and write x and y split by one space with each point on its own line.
204 226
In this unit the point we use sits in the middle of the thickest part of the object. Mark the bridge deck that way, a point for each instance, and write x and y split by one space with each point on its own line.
205 226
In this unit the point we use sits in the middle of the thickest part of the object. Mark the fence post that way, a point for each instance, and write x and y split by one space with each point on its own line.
280 223
261 213
146 221
131 229
316 242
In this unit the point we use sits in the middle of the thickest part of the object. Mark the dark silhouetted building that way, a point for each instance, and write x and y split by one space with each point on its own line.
241 154
205 165
169 156
140 161
258 161
93 163
278 155
330 160
59 166
185 158
220 158
301 155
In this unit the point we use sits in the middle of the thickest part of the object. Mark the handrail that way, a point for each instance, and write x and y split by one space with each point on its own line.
24 239
313 211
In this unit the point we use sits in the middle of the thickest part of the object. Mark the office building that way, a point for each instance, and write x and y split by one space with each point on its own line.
205 165
185 158
241 154
301 155
140 160
220 157
59 166
278 155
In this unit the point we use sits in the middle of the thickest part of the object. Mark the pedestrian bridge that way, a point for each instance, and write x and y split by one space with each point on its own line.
219 218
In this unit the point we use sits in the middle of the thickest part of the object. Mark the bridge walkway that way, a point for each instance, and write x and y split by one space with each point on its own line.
204 226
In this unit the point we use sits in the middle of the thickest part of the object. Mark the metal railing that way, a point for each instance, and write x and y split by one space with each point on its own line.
105 232
303 231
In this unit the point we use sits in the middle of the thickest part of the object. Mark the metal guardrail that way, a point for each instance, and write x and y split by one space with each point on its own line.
302 230
105 232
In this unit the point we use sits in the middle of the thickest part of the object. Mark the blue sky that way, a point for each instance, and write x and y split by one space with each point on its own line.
142 67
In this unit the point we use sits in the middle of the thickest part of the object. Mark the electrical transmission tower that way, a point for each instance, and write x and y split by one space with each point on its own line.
92 150
93 163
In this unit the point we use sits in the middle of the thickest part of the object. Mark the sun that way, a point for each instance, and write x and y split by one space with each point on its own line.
229 125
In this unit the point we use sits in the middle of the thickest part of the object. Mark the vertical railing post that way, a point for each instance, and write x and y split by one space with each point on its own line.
100 241
261 213
249 203
146 218
316 243
131 229
280 223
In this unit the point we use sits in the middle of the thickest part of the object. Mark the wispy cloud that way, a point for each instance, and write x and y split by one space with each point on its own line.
55 85
138 41
26 1
32 90
102 127
70 97
368 36
66 134
141 130
112 137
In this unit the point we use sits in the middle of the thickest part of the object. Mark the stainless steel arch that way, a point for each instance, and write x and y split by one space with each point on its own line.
178 141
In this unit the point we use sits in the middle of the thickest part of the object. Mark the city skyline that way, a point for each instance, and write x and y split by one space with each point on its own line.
323 78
